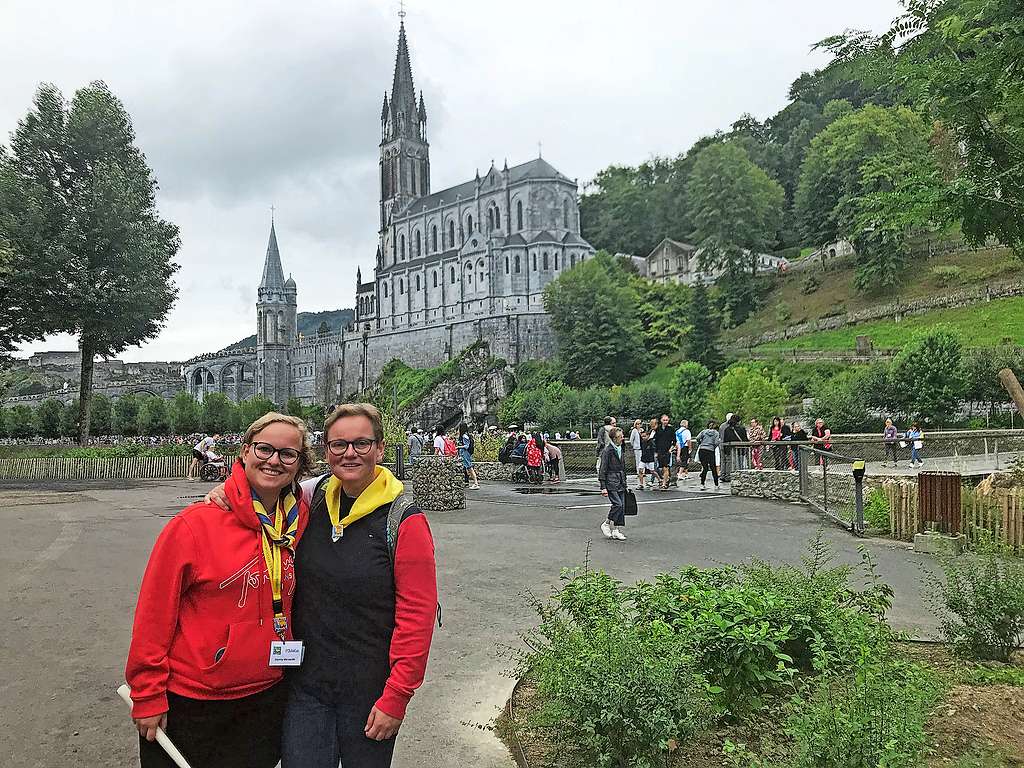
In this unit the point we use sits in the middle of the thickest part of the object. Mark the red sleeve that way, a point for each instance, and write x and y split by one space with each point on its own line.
167 576
415 611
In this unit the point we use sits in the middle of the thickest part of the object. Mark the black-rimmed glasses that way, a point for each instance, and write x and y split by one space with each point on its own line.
361 446
265 450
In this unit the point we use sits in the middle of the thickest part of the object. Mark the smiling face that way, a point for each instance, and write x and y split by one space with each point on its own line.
267 477
354 471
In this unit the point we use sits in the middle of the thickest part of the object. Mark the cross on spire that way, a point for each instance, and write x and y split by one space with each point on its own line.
401 9
539 147
272 209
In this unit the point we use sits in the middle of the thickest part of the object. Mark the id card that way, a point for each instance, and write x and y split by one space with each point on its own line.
286 654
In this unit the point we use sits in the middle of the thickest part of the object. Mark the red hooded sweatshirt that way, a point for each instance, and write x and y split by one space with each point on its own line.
204 620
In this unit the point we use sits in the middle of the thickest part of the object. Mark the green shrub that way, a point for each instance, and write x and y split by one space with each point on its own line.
783 313
947 275
876 510
980 602
809 285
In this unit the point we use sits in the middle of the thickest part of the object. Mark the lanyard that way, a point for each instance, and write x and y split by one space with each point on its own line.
272 557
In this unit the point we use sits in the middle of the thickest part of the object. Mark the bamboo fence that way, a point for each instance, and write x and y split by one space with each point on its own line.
128 468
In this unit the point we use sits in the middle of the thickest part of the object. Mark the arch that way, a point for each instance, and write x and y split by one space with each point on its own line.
518 264
401 247
417 282
385 287
544 260
433 238
480 269
497 217
282 329
268 327
565 213
453 275
506 265
419 244
435 278
556 262
534 260
490 219
519 214
401 287
451 233
469 223
572 260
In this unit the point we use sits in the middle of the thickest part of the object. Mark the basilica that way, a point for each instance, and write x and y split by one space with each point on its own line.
452 267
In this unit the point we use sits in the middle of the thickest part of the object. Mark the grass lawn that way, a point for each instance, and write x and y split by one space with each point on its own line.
982 325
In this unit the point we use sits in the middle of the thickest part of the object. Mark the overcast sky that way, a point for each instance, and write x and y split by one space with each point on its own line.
240 105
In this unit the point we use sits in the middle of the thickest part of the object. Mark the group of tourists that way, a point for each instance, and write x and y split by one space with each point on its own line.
440 443
284 619
895 440
535 453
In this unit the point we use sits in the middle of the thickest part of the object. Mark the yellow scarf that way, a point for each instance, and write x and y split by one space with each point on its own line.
384 489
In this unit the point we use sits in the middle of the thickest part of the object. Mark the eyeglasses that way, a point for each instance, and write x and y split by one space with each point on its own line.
265 451
361 445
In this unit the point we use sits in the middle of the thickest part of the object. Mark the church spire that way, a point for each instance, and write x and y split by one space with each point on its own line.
405 112
273 274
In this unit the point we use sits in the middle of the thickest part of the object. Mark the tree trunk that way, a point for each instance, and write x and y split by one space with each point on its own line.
85 390
1013 388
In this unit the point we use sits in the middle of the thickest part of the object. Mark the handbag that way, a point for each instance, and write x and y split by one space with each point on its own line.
630 505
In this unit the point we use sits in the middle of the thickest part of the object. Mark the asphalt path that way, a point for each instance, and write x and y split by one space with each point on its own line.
73 553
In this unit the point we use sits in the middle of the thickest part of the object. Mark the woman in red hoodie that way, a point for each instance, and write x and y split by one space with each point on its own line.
213 621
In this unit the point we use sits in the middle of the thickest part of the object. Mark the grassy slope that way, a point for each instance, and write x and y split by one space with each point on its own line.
982 325
836 293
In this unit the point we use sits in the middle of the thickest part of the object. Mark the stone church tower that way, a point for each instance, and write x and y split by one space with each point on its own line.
276 305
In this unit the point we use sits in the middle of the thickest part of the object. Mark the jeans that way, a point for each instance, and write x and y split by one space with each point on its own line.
318 735
915 455
617 514
706 458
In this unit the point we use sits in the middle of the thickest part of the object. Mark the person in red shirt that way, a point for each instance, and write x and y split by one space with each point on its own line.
215 599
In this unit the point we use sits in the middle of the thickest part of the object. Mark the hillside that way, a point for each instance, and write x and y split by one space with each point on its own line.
308 324
792 300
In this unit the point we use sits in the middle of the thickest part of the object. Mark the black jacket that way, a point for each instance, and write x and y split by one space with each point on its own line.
612 474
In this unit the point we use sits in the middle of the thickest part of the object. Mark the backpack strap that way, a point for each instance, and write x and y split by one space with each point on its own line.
401 508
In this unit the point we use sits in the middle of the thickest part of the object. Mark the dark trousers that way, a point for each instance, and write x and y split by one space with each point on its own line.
617 514
707 463
780 457
890 451
319 735
223 733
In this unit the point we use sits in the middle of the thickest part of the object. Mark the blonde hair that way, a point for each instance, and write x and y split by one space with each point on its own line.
369 410
306 457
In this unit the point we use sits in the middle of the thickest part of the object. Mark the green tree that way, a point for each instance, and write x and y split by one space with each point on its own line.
594 405
69 420
5 417
48 416
645 401
737 212
702 340
126 415
219 414
749 393
21 422
928 376
662 311
294 407
184 414
154 417
101 414
251 409
78 210
690 384
840 403
594 315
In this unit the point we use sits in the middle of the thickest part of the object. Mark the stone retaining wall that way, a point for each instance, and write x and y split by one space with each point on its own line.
766 484
437 483
493 470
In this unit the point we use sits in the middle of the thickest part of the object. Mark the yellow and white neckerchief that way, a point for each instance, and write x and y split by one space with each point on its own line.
384 489
278 534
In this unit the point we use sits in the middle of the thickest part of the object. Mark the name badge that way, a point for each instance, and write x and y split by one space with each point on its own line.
286 654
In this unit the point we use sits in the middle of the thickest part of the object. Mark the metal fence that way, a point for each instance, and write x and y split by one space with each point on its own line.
832 483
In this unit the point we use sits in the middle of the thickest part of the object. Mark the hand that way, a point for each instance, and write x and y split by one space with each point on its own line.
604 491
381 727
147 725
218 497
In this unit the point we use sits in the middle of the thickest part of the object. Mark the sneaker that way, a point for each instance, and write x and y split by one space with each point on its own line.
703 487
618 535
606 529
475 487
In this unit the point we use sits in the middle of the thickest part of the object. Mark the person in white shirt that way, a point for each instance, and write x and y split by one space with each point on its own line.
439 440
199 451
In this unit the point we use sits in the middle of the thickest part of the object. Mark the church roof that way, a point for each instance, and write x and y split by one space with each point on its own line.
544 237
273 274
571 238
538 168
403 92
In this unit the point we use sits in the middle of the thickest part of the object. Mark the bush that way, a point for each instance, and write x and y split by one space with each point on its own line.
980 603
783 313
876 510
947 275
809 285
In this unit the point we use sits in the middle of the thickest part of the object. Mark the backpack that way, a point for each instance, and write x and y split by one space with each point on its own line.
472 444
450 449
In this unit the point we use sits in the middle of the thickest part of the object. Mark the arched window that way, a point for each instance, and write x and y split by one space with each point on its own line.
401 286
572 260
401 247
412 172
556 262
506 265
417 282
451 233
435 278
419 244
469 224
385 286
490 219
433 239
497 217
519 214
544 258
518 270
469 273
534 254
453 275
480 269
565 214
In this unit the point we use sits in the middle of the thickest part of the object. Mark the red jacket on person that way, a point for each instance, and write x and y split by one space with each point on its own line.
204 619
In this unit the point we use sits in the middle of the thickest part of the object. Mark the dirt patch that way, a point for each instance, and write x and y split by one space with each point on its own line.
979 718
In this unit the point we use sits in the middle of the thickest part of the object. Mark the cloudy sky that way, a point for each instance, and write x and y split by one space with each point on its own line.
240 105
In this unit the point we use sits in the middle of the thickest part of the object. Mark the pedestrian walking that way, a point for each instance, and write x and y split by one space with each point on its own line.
708 442
890 438
416 443
636 438
602 438
664 443
466 449
611 475
648 453
683 441
915 436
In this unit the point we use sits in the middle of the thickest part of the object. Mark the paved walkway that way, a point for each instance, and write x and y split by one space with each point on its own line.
72 558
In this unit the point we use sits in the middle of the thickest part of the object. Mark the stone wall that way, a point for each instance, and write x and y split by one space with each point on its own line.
493 470
437 483
766 484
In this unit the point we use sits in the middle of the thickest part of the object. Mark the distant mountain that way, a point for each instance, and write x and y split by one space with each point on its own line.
309 324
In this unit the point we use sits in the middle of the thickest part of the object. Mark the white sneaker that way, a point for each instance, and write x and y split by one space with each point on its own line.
618 535
475 487
606 529
703 487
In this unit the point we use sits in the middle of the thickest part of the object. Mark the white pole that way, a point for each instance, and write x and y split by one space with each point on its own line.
161 738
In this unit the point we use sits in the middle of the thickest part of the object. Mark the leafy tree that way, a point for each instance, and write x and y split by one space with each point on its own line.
594 316
48 416
184 414
21 422
928 376
5 417
251 409
78 210
646 401
294 407
126 415
690 391
981 373
594 405
219 414
101 414
749 393
702 341
662 311
840 403
154 417
69 419
737 212
557 407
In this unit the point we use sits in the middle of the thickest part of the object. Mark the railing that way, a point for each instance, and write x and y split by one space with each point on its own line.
830 483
